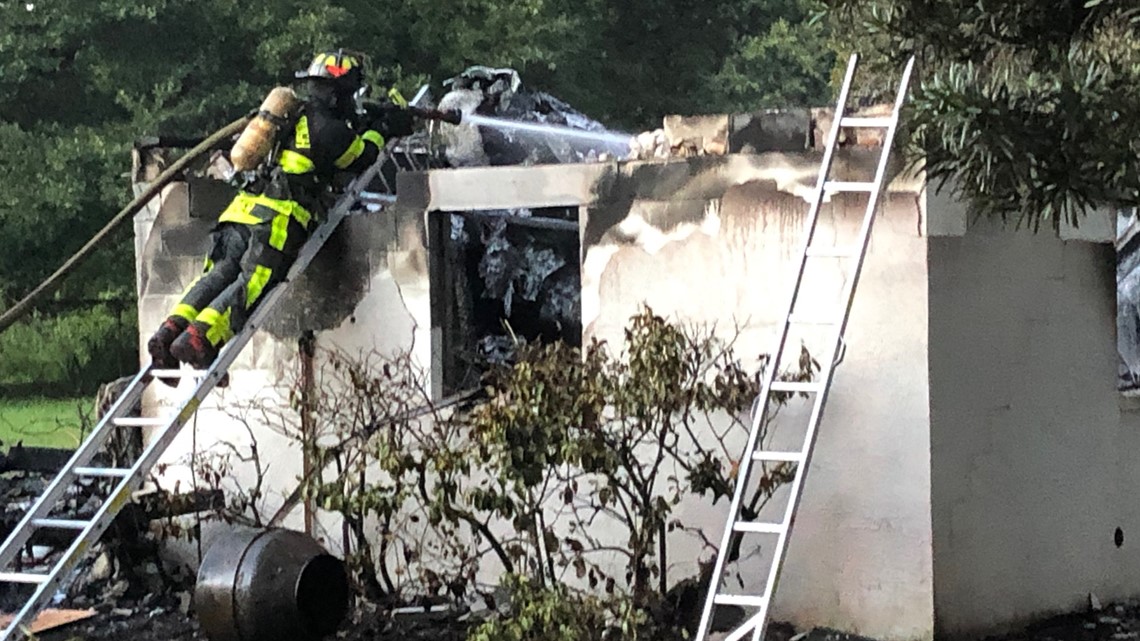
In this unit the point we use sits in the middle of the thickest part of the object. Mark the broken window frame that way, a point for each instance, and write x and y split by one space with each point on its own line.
454 303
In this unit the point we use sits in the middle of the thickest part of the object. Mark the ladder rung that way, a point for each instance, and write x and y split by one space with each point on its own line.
830 252
60 524
787 457
178 373
23 577
139 422
796 386
866 121
803 319
740 599
758 528
106 472
844 186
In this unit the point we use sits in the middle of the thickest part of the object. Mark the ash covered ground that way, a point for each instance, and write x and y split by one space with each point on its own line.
1116 622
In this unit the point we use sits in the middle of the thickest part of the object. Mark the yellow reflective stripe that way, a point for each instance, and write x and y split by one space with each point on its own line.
219 325
301 215
301 136
241 210
396 97
189 287
373 137
279 232
256 285
351 154
209 265
295 163
182 310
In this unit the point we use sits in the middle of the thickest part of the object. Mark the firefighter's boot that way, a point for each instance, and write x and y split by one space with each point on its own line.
194 349
159 345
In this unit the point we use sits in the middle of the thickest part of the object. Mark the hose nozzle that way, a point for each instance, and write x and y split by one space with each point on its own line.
453 116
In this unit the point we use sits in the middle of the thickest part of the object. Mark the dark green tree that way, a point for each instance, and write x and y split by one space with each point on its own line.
629 64
1032 106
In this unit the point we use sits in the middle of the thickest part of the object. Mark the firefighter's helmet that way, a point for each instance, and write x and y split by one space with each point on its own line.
344 69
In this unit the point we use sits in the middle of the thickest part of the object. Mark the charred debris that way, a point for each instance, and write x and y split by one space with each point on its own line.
512 275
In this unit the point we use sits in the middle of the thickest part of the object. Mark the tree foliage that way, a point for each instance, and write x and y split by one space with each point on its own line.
1031 106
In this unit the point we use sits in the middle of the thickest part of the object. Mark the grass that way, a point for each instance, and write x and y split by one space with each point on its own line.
42 422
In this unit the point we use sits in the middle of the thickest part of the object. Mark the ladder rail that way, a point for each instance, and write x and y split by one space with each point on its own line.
61 571
873 202
744 468
757 622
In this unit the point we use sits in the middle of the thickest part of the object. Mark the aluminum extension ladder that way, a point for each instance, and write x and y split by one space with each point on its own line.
128 480
716 595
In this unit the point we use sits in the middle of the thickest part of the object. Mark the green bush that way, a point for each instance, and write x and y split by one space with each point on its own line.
585 453
68 354
552 613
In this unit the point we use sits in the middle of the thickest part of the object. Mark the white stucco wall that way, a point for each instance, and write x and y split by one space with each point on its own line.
860 554
1032 446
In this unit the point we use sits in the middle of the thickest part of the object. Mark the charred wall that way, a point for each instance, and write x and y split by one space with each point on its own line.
566 251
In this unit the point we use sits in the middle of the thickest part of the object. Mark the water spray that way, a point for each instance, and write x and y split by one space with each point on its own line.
548 130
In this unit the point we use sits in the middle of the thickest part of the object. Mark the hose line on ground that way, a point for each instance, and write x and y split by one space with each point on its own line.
25 305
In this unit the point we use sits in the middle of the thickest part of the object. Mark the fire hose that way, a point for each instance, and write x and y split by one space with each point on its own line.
453 116
9 317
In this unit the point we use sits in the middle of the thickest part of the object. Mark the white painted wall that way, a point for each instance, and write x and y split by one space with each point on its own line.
1032 447
860 556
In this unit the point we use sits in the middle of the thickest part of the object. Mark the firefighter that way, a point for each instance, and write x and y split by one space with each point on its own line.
258 236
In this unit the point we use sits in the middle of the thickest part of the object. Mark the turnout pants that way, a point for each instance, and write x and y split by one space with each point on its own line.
246 260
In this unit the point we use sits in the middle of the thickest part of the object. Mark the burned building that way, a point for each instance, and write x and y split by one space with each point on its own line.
971 422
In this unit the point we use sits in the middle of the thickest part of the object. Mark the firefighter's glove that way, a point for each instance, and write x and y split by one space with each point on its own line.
393 122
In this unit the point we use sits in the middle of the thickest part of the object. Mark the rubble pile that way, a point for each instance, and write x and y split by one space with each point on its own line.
17 493
122 573
527 276
500 93
519 266
650 145
779 130
123 580
1117 622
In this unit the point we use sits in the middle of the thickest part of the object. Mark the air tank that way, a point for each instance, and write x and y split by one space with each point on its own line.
257 139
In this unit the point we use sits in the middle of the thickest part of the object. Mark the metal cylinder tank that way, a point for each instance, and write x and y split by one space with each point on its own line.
268 585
